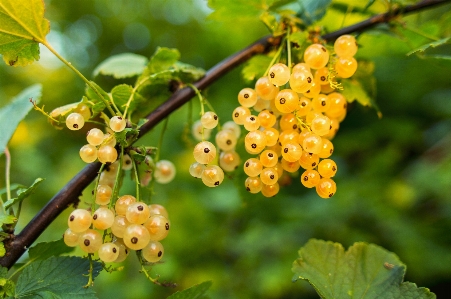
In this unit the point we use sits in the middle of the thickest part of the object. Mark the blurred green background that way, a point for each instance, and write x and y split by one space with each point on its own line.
394 178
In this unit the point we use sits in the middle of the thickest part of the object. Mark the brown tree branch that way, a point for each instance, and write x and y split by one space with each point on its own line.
72 190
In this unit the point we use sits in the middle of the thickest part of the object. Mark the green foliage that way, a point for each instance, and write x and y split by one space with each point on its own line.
241 9
96 103
6 285
22 26
14 112
363 271
23 193
313 10
255 67
121 66
45 250
195 292
56 277
434 44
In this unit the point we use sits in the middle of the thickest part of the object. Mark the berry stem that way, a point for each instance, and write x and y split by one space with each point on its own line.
97 182
276 57
45 43
201 100
289 49
118 179
91 268
137 182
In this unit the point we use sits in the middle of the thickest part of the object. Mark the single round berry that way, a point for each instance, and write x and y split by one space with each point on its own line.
322 76
204 152
209 120
106 154
255 142
79 220
338 105
164 171
269 176
196 169
156 209
346 66
312 143
321 103
253 184
226 140
117 123
119 225
345 46
270 190
137 213
267 119
239 114
288 122
197 129
261 105
316 56
310 178
327 149
95 137
320 125
286 101
327 168
75 121
136 236
88 153
279 74
286 136
229 160
158 227
253 167
122 204
269 158
251 123
123 250
108 252
308 160
103 195
84 110
272 136
291 151
70 238
300 67
102 218
90 241
232 126
326 188
301 81
290 166
153 252
212 176
247 97
265 89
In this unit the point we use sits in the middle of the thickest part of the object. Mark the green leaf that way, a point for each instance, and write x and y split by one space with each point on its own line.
430 45
6 286
255 67
195 292
15 111
233 10
2 250
313 10
44 250
353 90
96 103
187 72
12 187
364 271
123 65
121 94
22 27
162 59
7 219
56 277
299 37
23 193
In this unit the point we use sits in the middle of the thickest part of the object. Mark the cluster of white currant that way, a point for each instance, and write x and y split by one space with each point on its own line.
205 152
130 225
294 125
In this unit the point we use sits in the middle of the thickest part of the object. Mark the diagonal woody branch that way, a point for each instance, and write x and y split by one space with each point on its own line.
69 194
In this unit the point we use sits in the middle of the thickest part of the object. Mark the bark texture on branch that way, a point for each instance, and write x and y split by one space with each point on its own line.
72 190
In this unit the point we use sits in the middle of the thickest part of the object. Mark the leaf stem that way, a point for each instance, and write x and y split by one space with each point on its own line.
7 174
45 43
289 49
138 183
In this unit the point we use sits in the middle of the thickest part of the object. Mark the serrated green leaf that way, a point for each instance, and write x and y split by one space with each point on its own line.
121 94
22 27
353 90
123 65
23 193
430 45
444 57
12 187
96 103
6 286
195 292
2 250
299 37
14 112
313 10
364 271
188 73
44 250
255 67
270 20
7 219
162 59
57 277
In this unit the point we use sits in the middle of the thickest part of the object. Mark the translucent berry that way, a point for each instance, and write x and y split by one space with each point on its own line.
119 225
136 236
301 81
253 184
311 115
88 153
320 125
326 188
127 163
345 46
255 142
253 167
291 151
272 136
70 238
290 166
117 123
158 227
156 209
106 154
212 176
288 136
269 176
322 75
109 139
267 119
314 90
137 213
286 101
103 195
197 129
232 126
247 97
334 126
310 178
265 89
300 67
327 149
312 143
269 158
316 56
90 241
308 160
327 168
95 136
209 120
229 161
108 252
288 122
75 121
251 123
226 140
305 105
123 250
338 105
84 110
164 171
239 114
321 103
346 66
261 105
153 252
102 218
79 220
204 152
122 204
270 190
279 74
196 169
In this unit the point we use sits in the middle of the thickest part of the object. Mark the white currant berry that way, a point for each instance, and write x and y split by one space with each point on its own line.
164 171
158 227
108 252
212 176
102 218
117 123
232 126
153 252
88 153
79 220
196 169
75 121
95 136
127 162
106 154
204 152
70 238
137 213
90 241
196 131
209 120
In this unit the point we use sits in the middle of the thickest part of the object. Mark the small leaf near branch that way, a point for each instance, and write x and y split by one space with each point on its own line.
255 67
430 45
313 10
7 219
23 193
22 27
364 270
14 112
44 250
6 286
123 65
96 103
195 292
